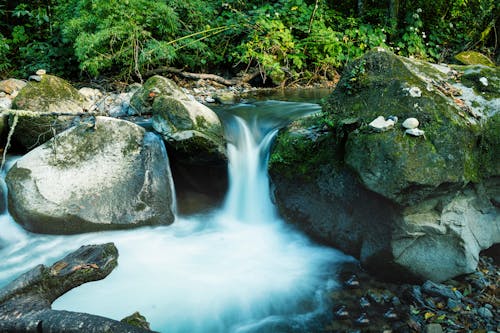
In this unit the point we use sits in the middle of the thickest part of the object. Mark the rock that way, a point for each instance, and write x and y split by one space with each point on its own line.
41 72
189 128
226 97
474 58
5 103
415 132
433 328
137 320
485 313
91 95
437 289
410 123
381 125
25 303
50 95
109 174
389 198
415 92
12 86
36 78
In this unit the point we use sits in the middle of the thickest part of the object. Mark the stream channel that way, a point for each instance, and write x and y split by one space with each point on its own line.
234 268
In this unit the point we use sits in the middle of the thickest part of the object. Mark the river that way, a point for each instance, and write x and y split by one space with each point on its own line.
234 268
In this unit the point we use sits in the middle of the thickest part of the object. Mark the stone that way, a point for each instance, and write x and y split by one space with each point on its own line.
50 95
415 132
102 174
410 123
433 328
388 198
485 312
474 58
12 86
137 320
91 95
41 72
189 128
379 124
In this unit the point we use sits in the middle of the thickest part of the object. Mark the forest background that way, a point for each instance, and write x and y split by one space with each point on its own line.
287 41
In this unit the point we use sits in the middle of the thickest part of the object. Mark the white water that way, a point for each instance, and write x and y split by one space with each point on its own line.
237 269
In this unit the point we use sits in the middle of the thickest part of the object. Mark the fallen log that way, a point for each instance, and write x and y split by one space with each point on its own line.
195 76
25 303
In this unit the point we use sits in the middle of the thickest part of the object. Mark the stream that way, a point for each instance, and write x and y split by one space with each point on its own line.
234 268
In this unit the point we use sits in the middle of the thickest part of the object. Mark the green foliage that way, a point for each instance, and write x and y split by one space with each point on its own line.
286 40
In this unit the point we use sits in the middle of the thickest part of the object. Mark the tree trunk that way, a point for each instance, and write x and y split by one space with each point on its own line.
25 303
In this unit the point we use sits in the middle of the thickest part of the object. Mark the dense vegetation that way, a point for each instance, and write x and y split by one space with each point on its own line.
286 40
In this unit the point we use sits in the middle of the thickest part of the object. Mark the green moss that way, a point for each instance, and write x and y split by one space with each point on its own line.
474 58
473 76
303 147
489 157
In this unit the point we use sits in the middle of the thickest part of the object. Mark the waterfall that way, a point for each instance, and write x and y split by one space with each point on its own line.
237 269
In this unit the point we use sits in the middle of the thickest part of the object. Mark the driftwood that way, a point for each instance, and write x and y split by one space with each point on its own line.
195 76
25 303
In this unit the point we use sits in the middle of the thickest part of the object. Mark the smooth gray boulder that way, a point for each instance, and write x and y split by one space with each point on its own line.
105 174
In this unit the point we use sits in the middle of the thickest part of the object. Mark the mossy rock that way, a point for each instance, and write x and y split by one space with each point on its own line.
398 166
484 80
490 147
474 58
143 98
50 95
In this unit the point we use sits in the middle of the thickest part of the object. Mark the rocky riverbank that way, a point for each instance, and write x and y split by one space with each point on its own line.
469 303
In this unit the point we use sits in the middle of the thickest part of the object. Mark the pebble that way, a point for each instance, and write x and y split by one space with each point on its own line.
363 320
410 123
391 314
41 72
453 305
342 312
36 78
414 132
485 313
437 289
433 328
363 302
352 282
484 81
415 92
381 125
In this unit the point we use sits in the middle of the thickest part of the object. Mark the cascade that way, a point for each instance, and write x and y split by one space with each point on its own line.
238 268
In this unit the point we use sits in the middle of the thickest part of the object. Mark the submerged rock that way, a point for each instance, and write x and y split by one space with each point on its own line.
190 129
407 207
107 175
50 95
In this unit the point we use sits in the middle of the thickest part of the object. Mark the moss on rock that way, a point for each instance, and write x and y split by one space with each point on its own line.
51 94
474 58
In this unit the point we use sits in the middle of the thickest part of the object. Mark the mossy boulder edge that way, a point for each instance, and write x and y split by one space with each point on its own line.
416 207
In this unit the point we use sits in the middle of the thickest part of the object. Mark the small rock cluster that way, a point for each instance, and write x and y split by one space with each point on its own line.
466 304
381 124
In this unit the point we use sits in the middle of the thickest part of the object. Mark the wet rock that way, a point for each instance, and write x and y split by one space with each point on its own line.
437 289
189 128
433 328
106 174
137 320
485 312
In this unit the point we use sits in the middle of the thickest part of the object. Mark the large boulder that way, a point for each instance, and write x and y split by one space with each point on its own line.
408 206
109 174
190 129
50 95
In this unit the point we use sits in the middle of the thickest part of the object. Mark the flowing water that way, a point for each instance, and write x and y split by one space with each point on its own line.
237 268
